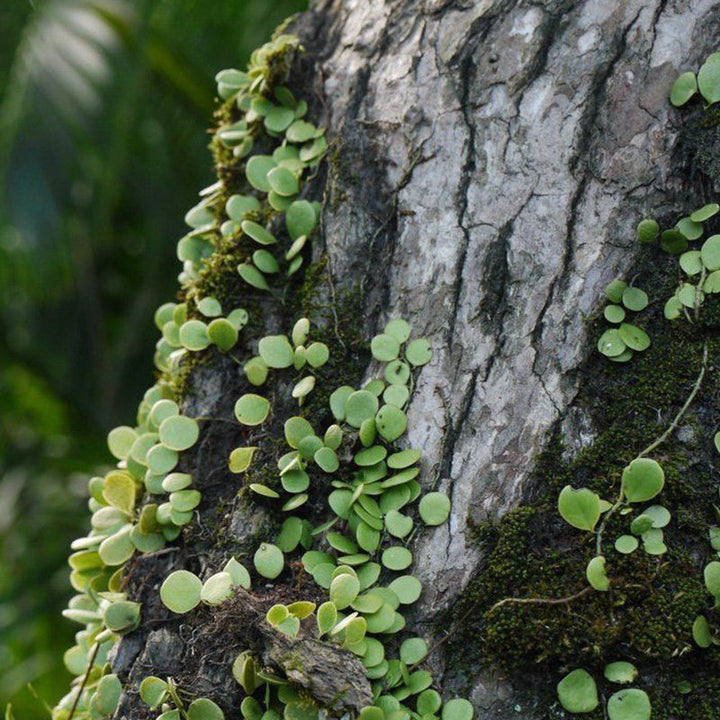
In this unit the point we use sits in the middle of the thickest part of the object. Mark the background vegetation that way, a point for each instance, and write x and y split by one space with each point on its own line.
103 111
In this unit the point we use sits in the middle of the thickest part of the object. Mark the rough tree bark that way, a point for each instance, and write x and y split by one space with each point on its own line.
490 160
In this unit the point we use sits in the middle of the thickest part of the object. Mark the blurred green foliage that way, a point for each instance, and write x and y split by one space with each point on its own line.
104 107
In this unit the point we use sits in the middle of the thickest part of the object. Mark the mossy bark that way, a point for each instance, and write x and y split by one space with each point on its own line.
488 164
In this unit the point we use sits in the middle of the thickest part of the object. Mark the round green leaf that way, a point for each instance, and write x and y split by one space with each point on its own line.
217 588
614 314
122 617
359 406
252 276
647 231
252 409
179 432
712 283
642 480
611 344
691 262
204 709
418 352
283 181
180 592
279 119
620 672
391 422
396 558
237 206
413 650
397 395
705 212
120 440
428 702
434 508
193 335
634 299
119 490
407 588
161 460
626 544
238 573
153 691
634 337
580 508
384 348
397 372
708 78
458 709
630 704
399 525
257 170
673 308
240 459
701 632
276 351
712 578
370 456
399 329
106 697
327 460
222 333
343 590
269 560
690 229
317 354
614 291
118 548
209 307
577 692
710 253
684 87
595 573
673 241
338 401
162 410
300 219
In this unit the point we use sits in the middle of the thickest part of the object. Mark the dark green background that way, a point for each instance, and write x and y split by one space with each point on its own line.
104 108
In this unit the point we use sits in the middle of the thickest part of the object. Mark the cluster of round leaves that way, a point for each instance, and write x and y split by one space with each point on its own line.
642 480
578 693
165 695
278 352
274 179
147 456
706 82
366 536
180 334
365 540
620 343
271 118
700 268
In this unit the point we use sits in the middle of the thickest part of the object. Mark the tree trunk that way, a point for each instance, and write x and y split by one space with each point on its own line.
489 162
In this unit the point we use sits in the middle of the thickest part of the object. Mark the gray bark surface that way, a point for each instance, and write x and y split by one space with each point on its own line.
489 162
